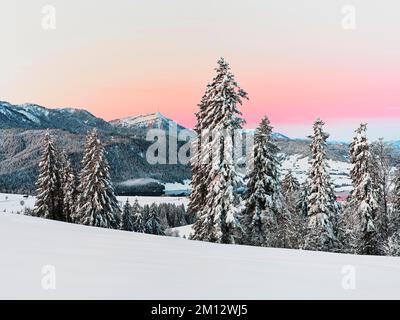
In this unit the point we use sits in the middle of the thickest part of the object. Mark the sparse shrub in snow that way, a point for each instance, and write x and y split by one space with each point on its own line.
28 212
172 233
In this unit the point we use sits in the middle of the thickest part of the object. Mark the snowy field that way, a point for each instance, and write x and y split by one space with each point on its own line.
94 263
183 232
12 203
339 171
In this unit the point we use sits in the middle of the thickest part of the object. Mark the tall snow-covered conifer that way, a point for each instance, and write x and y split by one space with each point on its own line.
49 193
363 203
263 198
217 218
322 206
97 204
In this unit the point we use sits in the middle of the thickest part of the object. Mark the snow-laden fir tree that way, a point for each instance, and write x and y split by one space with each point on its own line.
138 220
198 194
153 223
127 220
363 206
392 243
380 162
87 155
396 190
217 218
290 185
394 222
322 206
294 201
97 204
49 192
68 183
263 198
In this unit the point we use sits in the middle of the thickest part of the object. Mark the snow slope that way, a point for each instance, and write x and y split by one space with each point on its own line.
107 264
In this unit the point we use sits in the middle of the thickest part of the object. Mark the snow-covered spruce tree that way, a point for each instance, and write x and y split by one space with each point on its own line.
49 193
290 185
153 224
97 204
263 198
217 218
380 173
198 194
68 184
396 191
322 207
295 203
146 213
363 201
127 220
394 221
138 220
87 156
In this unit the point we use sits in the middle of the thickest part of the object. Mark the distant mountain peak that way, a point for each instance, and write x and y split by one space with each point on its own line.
33 116
141 123
137 120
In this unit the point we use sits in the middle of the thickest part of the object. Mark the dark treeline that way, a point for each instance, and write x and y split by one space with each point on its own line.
154 218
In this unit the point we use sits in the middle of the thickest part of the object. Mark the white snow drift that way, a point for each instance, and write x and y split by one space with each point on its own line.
108 264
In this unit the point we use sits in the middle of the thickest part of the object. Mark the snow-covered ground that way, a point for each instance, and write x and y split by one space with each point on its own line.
92 263
339 171
183 232
13 203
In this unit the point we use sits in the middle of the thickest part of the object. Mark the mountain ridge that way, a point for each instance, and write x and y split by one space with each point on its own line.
22 128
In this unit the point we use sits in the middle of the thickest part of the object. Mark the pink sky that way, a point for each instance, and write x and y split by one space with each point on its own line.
296 65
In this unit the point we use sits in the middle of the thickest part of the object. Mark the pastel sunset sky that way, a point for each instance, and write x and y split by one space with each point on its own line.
128 57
